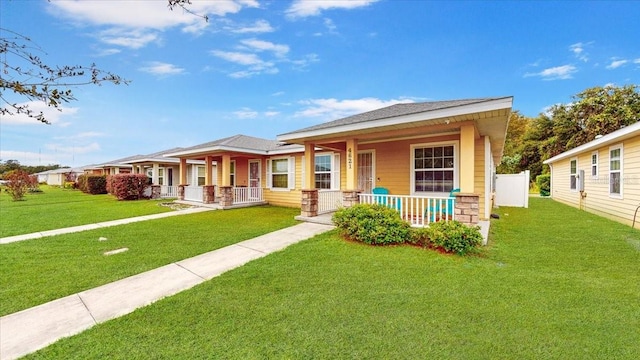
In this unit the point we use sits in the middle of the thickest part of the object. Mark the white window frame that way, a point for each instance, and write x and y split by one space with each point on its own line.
195 174
161 175
335 170
456 166
618 171
232 173
291 173
573 176
595 170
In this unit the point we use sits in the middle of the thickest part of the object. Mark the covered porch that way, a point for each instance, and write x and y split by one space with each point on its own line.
414 155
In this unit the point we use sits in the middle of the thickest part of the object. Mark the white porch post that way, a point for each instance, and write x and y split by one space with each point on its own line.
154 174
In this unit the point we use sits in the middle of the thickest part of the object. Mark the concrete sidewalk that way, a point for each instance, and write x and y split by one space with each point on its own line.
32 329
36 235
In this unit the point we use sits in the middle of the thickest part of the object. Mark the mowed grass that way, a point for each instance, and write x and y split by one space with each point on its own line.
33 272
57 208
554 283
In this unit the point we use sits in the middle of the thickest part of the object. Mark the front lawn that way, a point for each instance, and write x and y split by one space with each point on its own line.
56 208
33 272
554 283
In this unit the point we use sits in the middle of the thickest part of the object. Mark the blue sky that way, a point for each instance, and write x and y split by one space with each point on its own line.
262 68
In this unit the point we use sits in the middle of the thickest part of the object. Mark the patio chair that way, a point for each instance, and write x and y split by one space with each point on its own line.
385 200
446 210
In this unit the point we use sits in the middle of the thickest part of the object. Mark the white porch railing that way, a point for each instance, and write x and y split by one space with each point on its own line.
168 191
417 210
243 195
329 200
193 193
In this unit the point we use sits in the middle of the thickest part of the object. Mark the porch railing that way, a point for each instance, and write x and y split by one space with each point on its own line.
417 210
329 200
168 191
243 195
193 193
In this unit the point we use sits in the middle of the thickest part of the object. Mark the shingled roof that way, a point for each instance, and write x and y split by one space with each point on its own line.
238 143
394 111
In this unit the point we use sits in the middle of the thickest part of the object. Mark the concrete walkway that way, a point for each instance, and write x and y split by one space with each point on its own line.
32 329
36 235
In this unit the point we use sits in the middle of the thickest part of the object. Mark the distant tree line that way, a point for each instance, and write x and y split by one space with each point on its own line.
595 111
11 165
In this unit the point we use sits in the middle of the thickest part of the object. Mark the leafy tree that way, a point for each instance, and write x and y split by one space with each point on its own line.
18 182
28 77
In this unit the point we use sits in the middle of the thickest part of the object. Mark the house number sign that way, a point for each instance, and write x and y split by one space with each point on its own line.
350 158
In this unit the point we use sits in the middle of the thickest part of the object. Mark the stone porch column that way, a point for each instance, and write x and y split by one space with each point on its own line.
226 195
181 192
309 203
155 191
350 198
208 194
467 208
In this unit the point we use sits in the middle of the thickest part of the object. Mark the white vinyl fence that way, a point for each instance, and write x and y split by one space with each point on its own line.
512 189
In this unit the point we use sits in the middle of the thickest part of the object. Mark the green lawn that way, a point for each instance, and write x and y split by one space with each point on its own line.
36 271
554 283
57 208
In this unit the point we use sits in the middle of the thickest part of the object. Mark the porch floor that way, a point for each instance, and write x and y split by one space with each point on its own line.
217 205
324 219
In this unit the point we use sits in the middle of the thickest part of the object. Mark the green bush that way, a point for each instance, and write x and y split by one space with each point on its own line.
454 237
372 224
544 184
127 186
93 184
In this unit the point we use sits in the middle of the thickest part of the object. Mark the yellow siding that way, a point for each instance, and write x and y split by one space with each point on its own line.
288 198
596 189
479 173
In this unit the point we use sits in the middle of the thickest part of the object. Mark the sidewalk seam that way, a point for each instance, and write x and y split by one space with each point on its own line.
182 267
86 307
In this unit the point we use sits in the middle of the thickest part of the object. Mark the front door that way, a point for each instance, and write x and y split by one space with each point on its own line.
365 171
254 179
169 177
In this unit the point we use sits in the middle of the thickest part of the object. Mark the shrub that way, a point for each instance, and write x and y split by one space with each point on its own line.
371 224
18 182
69 185
454 237
127 186
544 184
93 184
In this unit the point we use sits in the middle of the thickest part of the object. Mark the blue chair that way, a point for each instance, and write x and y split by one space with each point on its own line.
446 210
380 199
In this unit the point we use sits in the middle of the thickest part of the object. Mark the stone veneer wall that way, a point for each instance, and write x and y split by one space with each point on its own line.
467 208
309 203
350 198
208 194
226 195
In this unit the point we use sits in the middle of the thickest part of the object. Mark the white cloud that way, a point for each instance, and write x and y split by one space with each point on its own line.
271 113
107 52
578 49
636 61
305 8
555 73
246 113
255 65
303 63
53 115
336 109
328 23
74 149
616 64
260 45
260 26
160 68
135 21
133 39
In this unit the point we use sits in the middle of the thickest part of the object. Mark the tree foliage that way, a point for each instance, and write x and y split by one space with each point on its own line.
29 78
10 165
18 182
594 111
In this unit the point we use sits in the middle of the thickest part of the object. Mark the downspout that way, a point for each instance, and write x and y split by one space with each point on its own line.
633 225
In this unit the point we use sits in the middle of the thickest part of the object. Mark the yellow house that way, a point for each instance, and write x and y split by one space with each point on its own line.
601 176
411 157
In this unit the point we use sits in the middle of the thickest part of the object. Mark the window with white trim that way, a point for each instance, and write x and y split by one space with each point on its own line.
160 176
232 172
323 172
573 174
434 168
594 164
199 176
615 171
281 173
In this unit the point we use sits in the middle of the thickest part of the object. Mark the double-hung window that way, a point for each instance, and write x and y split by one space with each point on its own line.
232 172
594 165
615 171
323 172
434 168
160 176
199 175
281 173
573 174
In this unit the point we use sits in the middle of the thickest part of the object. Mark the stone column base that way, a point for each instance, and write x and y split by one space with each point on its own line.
226 195
350 198
467 208
155 191
208 194
309 203
181 192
